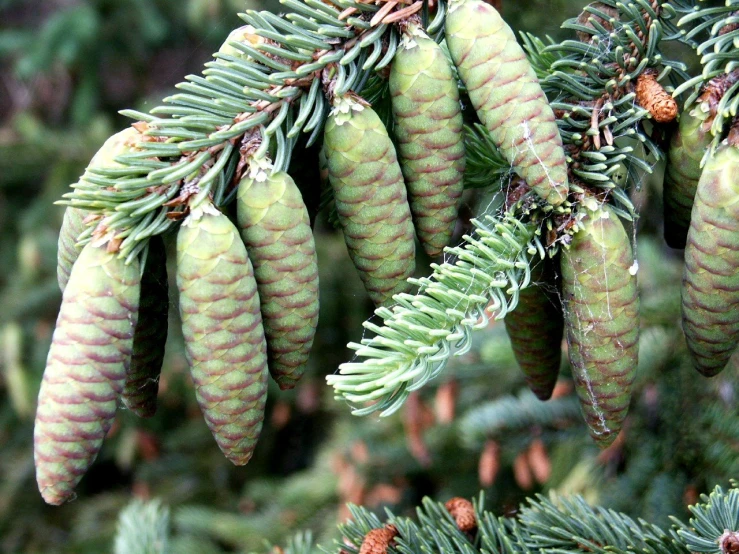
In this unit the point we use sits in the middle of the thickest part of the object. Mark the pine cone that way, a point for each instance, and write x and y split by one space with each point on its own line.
507 96
276 229
142 380
687 146
710 294
535 328
428 126
73 224
463 513
370 200
85 371
653 97
222 326
602 319
378 541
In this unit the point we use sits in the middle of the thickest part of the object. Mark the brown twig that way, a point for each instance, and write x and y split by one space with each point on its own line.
382 12
402 14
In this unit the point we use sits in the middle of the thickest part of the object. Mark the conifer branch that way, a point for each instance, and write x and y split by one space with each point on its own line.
714 526
422 331
275 80
555 524
590 83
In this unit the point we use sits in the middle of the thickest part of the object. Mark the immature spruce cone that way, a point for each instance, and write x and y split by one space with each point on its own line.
73 223
687 147
710 294
377 541
653 97
428 126
729 542
276 230
535 328
463 513
602 320
370 199
507 96
222 326
142 380
323 167
85 371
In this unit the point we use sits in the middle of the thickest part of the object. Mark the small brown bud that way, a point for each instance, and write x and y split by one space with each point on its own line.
414 428
730 27
733 136
561 389
378 541
383 494
463 513
714 90
652 96
729 542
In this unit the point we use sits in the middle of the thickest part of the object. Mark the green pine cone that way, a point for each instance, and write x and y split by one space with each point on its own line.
73 223
535 328
327 194
507 97
142 381
687 146
429 129
222 326
710 293
601 306
85 371
323 167
276 229
370 200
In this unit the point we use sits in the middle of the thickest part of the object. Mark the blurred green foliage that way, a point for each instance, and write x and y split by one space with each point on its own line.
67 67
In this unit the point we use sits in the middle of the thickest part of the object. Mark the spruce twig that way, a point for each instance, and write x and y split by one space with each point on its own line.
423 330
560 525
